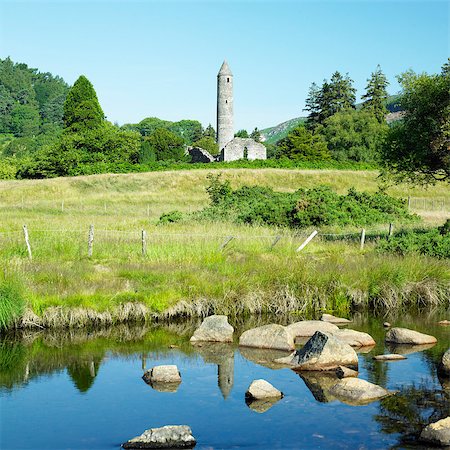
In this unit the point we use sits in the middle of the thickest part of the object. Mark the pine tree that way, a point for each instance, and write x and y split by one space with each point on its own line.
376 94
256 135
82 111
313 106
209 132
338 94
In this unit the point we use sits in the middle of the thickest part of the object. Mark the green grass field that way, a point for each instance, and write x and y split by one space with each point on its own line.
184 271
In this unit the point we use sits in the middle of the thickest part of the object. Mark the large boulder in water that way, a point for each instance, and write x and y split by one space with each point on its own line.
322 352
437 433
271 336
261 390
333 319
159 376
170 436
354 338
214 329
406 336
444 366
306 328
355 391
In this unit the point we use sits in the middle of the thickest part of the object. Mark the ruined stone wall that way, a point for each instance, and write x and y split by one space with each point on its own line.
243 148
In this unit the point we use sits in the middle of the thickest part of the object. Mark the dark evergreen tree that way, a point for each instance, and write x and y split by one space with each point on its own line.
376 95
209 132
167 145
82 111
313 106
256 135
241 134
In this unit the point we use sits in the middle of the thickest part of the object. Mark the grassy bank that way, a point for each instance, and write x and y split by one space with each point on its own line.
185 272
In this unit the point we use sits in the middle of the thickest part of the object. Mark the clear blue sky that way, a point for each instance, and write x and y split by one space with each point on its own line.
151 58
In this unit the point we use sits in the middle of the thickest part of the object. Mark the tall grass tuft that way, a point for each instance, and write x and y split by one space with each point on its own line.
12 303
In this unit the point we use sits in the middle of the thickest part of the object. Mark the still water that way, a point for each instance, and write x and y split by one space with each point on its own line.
83 390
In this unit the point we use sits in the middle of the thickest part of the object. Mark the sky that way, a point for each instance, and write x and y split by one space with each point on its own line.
161 58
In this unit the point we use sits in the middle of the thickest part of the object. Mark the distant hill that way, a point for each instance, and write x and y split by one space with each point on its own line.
273 134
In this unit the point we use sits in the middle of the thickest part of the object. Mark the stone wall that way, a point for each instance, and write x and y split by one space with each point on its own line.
243 148
200 155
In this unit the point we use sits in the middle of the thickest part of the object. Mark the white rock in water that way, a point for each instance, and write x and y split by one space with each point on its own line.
306 328
214 329
437 433
355 391
333 319
389 357
261 390
162 374
354 338
170 436
271 336
322 352
406 336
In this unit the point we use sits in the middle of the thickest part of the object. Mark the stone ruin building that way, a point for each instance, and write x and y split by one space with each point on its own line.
231 148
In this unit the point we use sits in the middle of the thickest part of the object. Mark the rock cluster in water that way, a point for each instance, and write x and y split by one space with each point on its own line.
169 437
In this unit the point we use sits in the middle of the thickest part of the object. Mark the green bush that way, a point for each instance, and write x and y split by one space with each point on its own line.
434 242
8 168
317 207
170 217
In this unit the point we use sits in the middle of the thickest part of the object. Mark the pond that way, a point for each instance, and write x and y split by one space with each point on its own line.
83 390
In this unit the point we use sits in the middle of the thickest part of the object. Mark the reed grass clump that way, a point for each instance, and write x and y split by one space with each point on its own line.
12 303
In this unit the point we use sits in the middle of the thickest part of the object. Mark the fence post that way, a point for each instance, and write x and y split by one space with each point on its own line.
27 241
275 241
409 203
148 210
62 206
90 240
144 242
307 241
226 242
363 238
391 230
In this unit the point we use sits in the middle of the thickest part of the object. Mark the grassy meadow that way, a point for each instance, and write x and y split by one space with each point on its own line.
185 272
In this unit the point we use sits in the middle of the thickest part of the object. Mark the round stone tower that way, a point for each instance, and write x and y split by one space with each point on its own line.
225 131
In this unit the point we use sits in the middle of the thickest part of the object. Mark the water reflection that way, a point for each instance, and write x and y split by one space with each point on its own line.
320 384
83 373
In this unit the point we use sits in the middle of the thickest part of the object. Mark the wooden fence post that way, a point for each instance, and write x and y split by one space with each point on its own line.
226 242
409 203
391 230
144 242
90 240
62 206
363 238
275 241
307 241
27 241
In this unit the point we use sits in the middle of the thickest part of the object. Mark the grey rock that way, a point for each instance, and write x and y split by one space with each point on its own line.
345 372
322 352
437 433
333 319
355 391
271 336
262 390
214 329
444 322
162 374
355 338
406 336
306 328
386 325
170 436
389 357
444 366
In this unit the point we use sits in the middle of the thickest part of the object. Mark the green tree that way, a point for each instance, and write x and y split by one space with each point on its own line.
301 144
312 105
208 144
189 130
418 146
209 132
146 153
354 135
256 135
167 145
24 120
241 134
82 111
375 98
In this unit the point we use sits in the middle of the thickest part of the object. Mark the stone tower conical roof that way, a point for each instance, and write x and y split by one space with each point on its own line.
224 69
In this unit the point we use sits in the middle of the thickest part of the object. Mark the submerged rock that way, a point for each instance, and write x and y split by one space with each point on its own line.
355 338
389 357
160 375
355 391
170 436
333 319
406 336
261 390
322 352
306 328
437 433
271 336
444 366
444 322
214 329
406 349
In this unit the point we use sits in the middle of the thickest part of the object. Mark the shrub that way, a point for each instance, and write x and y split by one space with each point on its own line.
170 217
